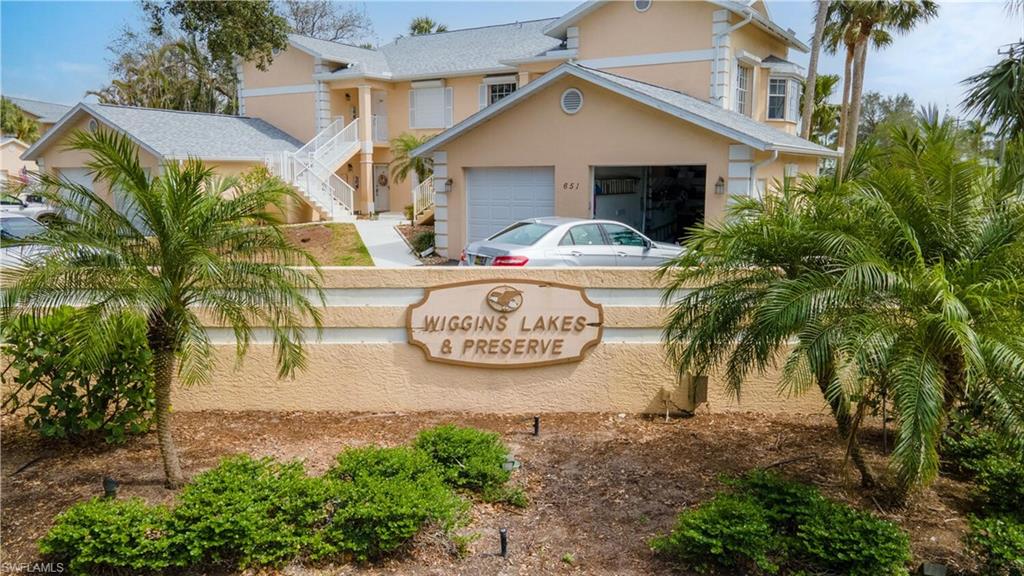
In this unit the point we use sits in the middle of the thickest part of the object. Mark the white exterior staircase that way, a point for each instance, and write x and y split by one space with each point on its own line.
311 170
423 202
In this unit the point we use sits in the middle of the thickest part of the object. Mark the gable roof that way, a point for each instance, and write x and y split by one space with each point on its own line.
172 134
730 124
46 112
559 26
466 51
12 140
369 61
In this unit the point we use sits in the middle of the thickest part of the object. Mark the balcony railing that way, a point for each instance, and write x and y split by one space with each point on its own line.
423 197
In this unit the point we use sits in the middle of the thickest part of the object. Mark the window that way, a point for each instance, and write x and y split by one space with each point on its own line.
496 92
583 235
776 99
8 200
430 105
743 89
622 236
522 233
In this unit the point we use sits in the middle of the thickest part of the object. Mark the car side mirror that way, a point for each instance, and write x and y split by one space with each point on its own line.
648 244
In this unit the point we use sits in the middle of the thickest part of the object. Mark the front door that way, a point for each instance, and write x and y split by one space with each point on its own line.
381 188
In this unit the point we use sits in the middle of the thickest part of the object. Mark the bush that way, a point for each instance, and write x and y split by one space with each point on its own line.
408 211
805 530
370 516
400 462
468 458
725 532
423 241
998 541
104 536
248 511
999 485
68 399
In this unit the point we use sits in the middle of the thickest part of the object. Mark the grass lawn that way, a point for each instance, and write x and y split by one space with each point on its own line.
332 244
600 485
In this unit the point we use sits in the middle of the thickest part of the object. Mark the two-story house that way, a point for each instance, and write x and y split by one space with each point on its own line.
650 112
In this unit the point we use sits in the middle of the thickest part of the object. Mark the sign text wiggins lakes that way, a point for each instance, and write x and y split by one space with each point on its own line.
507 323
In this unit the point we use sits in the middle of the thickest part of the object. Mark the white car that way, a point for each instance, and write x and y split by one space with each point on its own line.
23 206
17 227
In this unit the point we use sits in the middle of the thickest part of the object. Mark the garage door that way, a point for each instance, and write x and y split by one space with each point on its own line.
499 196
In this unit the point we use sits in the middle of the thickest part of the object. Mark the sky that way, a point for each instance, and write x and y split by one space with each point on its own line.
56 51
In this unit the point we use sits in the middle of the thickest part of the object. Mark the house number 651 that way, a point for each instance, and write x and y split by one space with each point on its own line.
570 185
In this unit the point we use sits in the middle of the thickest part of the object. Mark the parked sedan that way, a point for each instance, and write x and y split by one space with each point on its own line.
558 241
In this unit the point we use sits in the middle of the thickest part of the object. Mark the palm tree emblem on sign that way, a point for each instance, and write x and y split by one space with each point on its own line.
504 299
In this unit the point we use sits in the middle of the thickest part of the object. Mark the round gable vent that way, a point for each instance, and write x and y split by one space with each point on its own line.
642 5
572 101
93 125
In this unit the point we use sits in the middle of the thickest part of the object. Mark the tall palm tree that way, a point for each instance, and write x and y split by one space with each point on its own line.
404 162
904 278
186 248
812 67
900 16
421 25
996 95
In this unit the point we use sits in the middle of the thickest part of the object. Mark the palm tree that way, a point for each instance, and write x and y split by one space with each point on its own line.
867 16
186 248
903 278
996 95
825 117
812 67
404 163
15 122
421 25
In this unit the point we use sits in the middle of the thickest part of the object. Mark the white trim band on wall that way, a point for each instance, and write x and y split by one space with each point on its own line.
279 90
263 336
649 59
335 297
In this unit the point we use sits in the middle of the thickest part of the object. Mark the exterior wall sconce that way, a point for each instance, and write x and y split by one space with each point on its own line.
446 186
720 186
348 97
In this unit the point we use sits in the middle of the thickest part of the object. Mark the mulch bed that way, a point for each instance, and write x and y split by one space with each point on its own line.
410 232
600 485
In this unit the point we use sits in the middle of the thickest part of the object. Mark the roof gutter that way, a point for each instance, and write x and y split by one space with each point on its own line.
717 43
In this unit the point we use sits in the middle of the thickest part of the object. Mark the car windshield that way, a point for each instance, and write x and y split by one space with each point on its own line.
522 233
17 228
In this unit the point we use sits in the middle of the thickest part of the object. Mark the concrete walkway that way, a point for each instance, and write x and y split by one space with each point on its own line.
385 244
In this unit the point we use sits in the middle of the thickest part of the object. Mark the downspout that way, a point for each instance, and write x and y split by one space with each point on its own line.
716 43
755 166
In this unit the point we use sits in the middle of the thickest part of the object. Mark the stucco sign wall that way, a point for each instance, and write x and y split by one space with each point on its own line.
505 323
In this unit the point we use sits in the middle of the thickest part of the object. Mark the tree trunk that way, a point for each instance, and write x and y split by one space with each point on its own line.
847 81
163 370
848 432
856 92
810 88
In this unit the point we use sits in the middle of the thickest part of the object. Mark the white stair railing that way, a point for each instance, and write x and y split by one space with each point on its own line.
423 197
338 147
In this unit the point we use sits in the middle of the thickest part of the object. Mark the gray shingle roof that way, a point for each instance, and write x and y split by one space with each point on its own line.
47 112
175 134
467 50
441 54
369 61
731 124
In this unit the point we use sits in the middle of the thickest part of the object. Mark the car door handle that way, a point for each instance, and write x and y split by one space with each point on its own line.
575 253
623 254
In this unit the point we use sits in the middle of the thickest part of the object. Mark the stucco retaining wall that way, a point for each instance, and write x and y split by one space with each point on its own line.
363 361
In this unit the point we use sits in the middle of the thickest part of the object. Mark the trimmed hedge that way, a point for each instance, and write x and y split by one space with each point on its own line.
764 525
250 512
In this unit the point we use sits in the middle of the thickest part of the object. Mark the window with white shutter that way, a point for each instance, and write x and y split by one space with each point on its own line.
429 105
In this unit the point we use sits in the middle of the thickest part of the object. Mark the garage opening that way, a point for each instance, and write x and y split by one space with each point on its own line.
660 201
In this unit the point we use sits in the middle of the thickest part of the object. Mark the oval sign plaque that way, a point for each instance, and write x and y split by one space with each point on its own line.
505 323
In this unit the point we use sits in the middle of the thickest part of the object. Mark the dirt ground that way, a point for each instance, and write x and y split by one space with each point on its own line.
330 244
600 485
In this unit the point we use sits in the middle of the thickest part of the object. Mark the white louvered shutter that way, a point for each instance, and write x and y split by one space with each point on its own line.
448 103
412 108
483 96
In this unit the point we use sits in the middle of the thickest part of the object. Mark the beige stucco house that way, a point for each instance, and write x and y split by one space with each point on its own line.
651 112
12 167
45 113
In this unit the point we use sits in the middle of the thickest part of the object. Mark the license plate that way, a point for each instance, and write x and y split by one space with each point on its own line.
480 260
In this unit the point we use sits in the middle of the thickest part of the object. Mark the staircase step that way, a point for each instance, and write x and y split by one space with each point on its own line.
425 218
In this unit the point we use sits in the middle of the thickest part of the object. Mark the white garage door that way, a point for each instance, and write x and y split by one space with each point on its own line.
500 196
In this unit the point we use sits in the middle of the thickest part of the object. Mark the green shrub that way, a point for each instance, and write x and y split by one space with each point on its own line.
399 462
964 446
805 530
248 511
998 541
105 536
728 531
408 211
68 399
999 485
844 540
370 516
468 458
423 241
